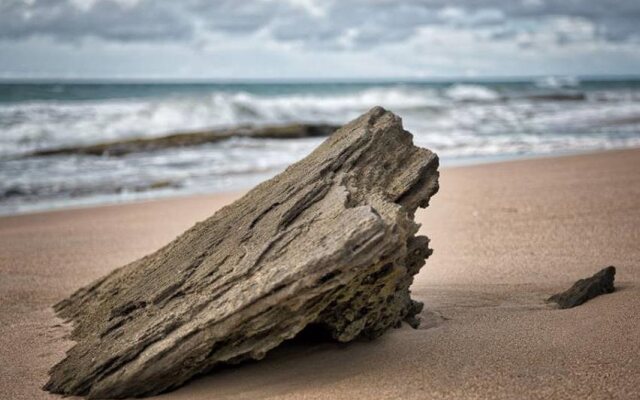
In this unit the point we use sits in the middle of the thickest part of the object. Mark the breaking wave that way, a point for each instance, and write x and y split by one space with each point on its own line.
471 93
36 124
458 120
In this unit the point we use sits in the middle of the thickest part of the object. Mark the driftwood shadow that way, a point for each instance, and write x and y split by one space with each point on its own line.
311 358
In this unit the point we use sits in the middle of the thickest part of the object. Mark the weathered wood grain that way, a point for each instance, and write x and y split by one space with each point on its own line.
331 241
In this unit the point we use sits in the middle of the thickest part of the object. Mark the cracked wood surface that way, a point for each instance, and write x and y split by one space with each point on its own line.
330 241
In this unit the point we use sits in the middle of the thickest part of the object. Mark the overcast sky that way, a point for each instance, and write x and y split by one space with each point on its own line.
316 39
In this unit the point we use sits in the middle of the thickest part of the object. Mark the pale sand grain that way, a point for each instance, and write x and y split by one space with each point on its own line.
505 235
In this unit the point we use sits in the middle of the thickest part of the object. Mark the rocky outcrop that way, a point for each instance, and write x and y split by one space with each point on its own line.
183 139
329 243
586 289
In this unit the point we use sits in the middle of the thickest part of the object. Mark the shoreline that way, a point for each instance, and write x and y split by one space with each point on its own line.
505 235
148 196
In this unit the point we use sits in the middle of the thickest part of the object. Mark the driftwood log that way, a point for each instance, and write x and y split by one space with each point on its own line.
331 242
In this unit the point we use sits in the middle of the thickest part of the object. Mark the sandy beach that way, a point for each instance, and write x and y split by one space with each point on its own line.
505 237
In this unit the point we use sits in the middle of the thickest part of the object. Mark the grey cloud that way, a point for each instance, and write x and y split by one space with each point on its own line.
109 20
339 24
234 16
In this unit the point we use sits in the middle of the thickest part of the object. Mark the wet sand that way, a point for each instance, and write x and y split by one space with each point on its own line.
506 236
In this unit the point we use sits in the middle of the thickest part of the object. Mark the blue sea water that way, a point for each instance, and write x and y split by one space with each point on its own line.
463 121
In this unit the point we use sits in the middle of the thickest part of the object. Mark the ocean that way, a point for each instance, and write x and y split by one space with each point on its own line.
463 121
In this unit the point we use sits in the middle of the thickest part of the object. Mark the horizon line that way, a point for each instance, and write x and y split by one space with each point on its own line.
213 80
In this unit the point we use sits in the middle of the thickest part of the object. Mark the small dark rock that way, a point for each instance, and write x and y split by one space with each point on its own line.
586 289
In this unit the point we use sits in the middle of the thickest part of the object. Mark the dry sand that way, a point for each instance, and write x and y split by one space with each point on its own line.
505 235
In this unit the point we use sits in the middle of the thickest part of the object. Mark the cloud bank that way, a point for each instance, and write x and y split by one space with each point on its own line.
331 26
345 24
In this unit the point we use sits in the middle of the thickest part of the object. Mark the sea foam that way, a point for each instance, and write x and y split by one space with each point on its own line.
460 121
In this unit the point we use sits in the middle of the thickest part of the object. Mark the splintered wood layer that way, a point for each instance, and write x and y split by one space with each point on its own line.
329 241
